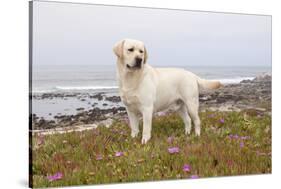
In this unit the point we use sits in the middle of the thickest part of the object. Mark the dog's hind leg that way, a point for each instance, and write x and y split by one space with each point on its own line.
193 107
186 119
192 104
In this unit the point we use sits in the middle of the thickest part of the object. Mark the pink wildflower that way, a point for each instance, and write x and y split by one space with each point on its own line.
118 154
241 144
56 176
173 150
186 168
194 176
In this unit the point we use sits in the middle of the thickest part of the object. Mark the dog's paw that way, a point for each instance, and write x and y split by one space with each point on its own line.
197 133
145 139
134 134
187 131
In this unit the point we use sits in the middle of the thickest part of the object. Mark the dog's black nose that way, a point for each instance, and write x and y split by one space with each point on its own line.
138 62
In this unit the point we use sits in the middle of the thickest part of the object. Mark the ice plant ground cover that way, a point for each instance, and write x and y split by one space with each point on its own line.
238 145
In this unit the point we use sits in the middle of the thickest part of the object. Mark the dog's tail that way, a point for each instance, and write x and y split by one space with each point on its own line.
208 84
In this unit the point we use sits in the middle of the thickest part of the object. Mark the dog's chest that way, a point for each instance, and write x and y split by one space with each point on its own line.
130 99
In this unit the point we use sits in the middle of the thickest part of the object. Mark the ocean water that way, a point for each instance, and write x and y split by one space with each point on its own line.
58 78
87 78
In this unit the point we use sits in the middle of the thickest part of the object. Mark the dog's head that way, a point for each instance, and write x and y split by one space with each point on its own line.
131 53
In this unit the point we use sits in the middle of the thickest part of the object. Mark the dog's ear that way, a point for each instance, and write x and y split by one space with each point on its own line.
145 55
118 48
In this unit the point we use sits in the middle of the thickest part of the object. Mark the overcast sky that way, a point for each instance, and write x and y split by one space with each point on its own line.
81 34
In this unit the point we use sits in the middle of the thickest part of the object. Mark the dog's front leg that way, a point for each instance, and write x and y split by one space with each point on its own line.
134 123
147 123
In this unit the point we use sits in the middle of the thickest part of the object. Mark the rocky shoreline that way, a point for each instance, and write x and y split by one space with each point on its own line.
247 95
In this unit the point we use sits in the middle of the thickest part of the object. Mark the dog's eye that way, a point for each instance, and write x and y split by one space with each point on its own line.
131 49
141 51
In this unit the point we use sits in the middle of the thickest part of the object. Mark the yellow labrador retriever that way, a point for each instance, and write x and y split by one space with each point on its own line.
146 90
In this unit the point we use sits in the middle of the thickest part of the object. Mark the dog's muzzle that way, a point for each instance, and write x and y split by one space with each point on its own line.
137 65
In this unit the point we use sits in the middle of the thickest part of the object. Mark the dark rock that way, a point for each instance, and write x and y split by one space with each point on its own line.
43 124
121 109
246 81
113 99
94 104
221 99
98 96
